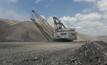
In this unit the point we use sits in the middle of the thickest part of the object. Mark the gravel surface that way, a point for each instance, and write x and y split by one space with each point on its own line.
53 53
37 53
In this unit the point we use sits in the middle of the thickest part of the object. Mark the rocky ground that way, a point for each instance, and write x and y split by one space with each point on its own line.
92 53
35 53
53 53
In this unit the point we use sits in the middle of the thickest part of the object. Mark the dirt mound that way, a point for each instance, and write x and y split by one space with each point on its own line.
91 54
24 31
9 22
4 24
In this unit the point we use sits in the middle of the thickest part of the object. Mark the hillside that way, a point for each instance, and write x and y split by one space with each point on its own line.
9 22
5 23
83 37
23 31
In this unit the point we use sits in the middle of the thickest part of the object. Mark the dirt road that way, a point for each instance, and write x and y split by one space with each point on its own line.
37 53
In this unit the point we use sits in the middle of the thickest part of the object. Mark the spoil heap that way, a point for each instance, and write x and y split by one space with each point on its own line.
9 22
23 31
92 53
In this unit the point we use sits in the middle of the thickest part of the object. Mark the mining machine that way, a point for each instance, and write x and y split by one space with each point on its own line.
57 33
63 33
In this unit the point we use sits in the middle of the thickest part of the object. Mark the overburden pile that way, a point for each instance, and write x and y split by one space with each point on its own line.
92 53
23 31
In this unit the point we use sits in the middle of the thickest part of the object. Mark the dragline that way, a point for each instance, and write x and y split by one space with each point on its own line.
58 32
